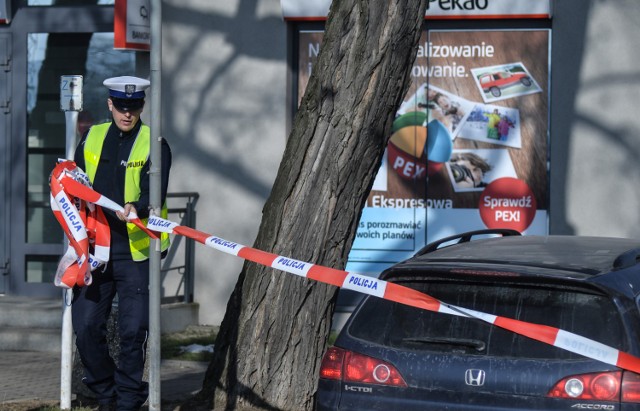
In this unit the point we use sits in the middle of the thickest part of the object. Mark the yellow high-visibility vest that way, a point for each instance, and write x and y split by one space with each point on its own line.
139 241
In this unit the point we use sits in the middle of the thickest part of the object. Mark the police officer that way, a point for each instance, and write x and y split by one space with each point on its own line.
115 156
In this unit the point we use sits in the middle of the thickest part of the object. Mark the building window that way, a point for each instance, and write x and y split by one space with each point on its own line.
40 268
50 56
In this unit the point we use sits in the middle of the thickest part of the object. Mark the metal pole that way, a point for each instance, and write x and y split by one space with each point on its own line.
155 197
66 354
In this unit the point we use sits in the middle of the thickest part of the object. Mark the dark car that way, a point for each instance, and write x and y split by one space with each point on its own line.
392 356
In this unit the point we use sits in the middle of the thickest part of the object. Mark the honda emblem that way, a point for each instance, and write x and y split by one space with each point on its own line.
474 377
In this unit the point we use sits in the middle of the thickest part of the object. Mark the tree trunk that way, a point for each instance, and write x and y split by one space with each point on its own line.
274 332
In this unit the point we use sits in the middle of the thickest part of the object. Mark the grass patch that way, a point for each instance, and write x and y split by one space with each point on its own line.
172 345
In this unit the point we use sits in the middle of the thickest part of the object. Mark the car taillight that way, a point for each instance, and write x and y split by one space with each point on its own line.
630 387
331 366
339 364
603 386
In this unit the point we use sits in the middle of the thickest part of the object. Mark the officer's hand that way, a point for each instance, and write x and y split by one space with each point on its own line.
128 208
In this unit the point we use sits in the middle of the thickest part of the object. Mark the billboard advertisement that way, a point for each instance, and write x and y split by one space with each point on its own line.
469 145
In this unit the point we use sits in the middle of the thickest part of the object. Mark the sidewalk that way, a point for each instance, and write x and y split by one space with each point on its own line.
26 375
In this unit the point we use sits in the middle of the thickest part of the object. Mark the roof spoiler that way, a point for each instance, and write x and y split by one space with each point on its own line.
627 259
467 237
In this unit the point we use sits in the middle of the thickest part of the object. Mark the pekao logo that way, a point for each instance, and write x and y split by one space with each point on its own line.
459 4
474 377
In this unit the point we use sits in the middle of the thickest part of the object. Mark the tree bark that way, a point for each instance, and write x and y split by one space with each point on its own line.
268 350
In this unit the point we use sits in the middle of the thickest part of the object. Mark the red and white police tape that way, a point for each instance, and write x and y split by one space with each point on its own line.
77 207
404 295
373 286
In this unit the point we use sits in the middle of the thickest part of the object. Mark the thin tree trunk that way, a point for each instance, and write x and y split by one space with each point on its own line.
274 332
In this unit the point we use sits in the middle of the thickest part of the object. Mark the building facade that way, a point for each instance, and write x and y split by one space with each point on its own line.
231 78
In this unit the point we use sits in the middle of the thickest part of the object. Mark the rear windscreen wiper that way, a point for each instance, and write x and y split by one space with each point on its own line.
478 345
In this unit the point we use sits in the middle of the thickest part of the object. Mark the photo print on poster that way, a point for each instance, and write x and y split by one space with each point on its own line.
473 170
493 124
504 81
438 104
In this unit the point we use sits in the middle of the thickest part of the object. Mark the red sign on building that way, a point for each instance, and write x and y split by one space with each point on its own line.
131 25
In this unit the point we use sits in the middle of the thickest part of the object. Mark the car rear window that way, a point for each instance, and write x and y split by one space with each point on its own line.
583 312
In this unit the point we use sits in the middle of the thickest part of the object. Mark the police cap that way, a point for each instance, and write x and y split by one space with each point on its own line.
127 92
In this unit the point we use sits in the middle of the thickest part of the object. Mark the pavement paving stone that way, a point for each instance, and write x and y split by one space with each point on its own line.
28 375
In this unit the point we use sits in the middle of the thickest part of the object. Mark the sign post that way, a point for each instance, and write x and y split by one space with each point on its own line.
71 104
155 282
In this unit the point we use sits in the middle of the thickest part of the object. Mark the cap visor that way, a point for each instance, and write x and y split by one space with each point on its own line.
127 104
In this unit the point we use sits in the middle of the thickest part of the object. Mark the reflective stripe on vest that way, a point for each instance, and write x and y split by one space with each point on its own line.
139 241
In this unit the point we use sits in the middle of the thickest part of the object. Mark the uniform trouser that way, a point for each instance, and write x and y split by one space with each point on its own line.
90 311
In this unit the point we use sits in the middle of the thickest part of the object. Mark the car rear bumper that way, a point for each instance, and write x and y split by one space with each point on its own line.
332 397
